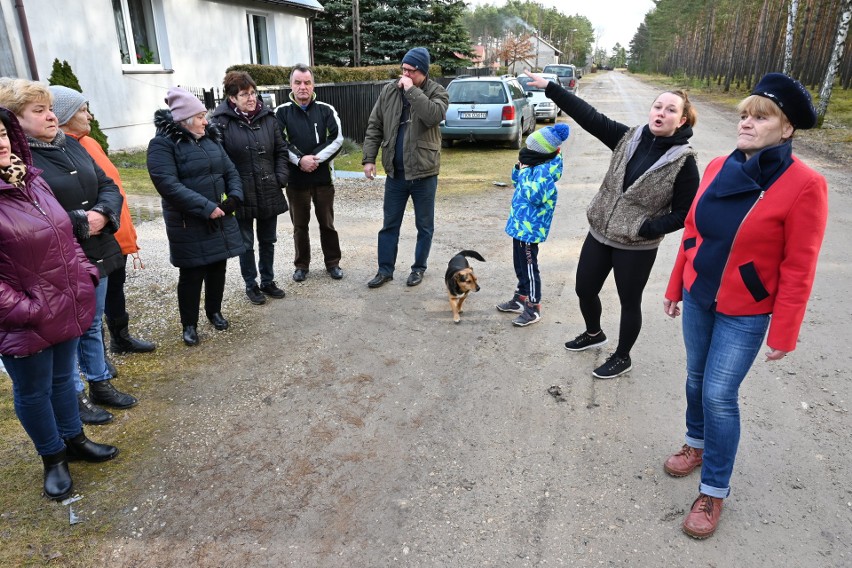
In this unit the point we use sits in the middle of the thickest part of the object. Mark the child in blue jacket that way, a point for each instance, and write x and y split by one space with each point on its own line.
535 175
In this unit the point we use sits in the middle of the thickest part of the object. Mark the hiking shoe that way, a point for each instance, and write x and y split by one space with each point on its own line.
531 314
614 366
703 518
272 290
515 305
254 296
585 341
683 462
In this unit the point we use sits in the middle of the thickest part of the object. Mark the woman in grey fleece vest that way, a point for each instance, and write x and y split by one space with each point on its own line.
646 194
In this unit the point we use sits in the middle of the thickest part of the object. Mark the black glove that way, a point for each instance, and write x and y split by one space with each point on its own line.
229 205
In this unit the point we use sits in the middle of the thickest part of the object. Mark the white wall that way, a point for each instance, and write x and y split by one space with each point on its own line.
198 40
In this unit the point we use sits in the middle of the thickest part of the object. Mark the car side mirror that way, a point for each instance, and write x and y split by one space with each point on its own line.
529 94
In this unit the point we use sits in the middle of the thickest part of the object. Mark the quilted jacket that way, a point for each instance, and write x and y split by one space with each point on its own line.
192 176
534 201
47 286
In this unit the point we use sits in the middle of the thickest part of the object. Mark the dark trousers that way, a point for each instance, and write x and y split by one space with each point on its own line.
631 269
189 290
300 198
422 194
525 258
266 239
115 306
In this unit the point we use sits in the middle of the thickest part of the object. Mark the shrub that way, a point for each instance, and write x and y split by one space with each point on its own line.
280 75
64 76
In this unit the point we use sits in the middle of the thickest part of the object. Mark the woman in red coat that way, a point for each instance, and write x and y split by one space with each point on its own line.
746 265
47 301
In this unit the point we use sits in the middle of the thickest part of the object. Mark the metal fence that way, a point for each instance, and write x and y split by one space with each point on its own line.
353 101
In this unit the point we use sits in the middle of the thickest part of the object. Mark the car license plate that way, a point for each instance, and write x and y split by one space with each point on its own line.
473 114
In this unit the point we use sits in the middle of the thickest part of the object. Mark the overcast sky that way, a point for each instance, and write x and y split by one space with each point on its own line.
613 20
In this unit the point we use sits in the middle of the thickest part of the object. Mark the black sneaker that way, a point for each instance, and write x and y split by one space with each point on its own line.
585 341
254 296
515 305
616 365
530 315
272 290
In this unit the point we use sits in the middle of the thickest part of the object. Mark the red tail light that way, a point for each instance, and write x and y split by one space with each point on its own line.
572 82
509 112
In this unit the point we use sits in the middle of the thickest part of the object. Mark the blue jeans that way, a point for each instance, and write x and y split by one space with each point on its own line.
266 238
90 351
422 193
720 350
45 397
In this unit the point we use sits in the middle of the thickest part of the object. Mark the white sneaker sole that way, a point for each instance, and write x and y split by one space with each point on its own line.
604 342
597 376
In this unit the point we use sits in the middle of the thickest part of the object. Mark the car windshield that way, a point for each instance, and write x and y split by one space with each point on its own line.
478 92
560 71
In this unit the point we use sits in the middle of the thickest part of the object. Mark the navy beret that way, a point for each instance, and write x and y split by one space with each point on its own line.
792 98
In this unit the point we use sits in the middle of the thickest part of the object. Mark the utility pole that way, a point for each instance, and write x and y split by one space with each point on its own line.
356 34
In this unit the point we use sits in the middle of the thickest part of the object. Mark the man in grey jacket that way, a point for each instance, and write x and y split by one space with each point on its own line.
404 124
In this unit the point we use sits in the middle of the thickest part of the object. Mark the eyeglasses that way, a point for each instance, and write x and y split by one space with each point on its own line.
410 70
247 95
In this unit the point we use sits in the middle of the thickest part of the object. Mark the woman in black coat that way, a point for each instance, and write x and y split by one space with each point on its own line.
201 190
252 138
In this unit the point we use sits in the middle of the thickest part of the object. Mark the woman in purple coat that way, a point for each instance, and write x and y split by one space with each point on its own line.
47 301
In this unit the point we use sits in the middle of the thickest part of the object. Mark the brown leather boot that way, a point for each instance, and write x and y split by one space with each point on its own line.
683 462
702 520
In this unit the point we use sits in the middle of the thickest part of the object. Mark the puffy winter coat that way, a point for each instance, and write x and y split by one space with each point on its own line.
534 200
259 153
192 176
47 286
80 186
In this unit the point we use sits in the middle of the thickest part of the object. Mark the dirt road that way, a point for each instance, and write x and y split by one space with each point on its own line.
351 427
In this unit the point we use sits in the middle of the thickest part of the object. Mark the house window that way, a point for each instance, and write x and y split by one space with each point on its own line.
258 39
137 37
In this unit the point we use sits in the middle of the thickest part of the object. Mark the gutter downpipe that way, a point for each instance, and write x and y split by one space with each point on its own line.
28 43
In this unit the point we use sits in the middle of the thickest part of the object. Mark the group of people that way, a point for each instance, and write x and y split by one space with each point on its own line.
753 225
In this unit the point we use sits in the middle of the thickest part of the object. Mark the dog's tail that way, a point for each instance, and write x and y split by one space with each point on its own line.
472 254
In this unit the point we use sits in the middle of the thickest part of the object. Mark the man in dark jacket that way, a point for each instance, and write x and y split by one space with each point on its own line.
404 123
312 130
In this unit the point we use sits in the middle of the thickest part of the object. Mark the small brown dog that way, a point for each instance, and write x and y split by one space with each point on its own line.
461 280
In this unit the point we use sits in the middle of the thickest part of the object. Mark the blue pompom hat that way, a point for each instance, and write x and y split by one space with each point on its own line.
548 139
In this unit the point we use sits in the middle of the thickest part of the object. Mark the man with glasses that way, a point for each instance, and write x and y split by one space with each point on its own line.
312 130
404 123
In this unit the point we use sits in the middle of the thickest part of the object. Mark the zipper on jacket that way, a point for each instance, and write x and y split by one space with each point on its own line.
734 241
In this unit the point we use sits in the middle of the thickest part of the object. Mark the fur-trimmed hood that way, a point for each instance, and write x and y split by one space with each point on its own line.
168 128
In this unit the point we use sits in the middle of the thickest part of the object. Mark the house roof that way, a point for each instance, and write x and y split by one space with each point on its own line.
312 5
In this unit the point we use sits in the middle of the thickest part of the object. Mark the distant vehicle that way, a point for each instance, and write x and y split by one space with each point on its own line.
544 108
567 75
487 108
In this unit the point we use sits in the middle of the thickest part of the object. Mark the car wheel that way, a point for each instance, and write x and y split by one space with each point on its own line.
518 142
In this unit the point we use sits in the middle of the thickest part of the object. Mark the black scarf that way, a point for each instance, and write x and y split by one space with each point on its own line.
531 158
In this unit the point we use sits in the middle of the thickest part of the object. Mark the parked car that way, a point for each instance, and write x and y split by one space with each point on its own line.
487 108
544 108
567 75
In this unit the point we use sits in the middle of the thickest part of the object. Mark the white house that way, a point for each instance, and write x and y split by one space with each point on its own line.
544 54
127 53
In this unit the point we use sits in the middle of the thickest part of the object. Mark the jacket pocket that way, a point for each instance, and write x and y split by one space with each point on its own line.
751 279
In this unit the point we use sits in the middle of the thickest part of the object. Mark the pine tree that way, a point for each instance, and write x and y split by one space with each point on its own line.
333 34
390 29
62 74
450 36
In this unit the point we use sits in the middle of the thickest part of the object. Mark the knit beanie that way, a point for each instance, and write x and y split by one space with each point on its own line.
66 102
183 104
792 98
548 139
418 57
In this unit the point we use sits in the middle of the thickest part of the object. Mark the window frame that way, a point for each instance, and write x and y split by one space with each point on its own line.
252 37
131 44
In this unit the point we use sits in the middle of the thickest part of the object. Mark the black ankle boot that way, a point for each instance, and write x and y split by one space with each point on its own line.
190 335
90 413
57 478
122 342
81 448
102 392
